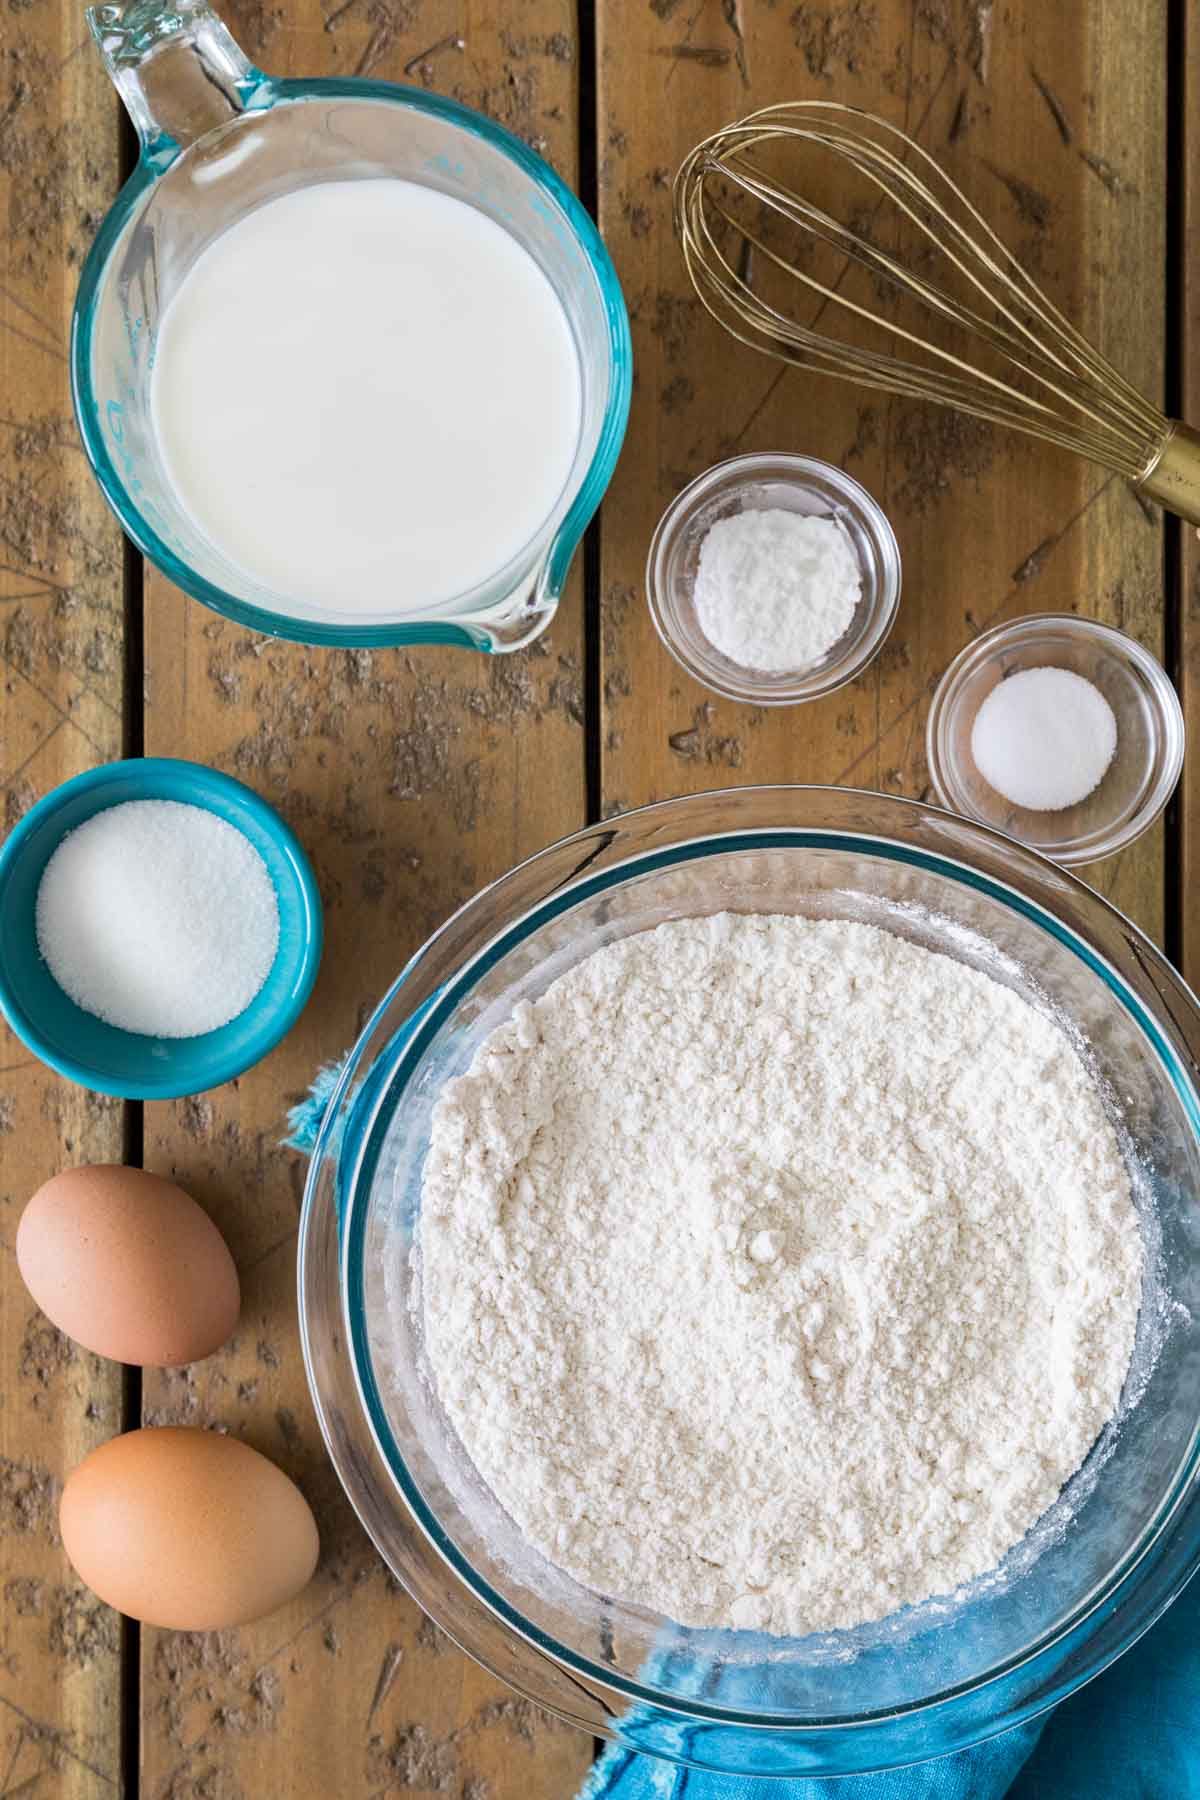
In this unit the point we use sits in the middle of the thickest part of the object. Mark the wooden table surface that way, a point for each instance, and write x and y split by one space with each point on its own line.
414 777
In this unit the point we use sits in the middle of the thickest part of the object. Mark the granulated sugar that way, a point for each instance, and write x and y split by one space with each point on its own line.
159 918
776 1272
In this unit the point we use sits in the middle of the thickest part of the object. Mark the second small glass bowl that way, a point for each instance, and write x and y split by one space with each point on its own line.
1150 734
799 484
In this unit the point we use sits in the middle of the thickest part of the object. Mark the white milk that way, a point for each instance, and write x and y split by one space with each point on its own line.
367 396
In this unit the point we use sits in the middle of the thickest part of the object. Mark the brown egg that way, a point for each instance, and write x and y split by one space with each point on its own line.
128 1265
188 1529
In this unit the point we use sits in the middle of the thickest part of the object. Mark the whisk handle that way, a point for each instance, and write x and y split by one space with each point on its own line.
1173 478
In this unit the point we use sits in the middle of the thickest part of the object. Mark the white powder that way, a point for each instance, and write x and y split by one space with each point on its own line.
1044 738
775 590
159 918
776 1272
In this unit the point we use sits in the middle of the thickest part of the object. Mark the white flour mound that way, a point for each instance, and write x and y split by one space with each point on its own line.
776 1272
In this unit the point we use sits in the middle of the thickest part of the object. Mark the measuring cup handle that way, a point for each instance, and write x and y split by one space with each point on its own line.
177 68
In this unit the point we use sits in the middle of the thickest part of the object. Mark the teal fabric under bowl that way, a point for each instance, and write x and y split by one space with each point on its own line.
125 1063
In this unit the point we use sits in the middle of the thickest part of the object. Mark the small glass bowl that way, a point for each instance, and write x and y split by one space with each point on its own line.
799 484
1150 734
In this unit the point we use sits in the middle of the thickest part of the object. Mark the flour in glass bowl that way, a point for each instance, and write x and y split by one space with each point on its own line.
776 1272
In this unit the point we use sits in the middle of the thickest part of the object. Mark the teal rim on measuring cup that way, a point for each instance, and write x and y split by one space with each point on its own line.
248 139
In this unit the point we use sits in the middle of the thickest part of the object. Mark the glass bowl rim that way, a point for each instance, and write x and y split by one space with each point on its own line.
413 1035
442 626
800 469
947 695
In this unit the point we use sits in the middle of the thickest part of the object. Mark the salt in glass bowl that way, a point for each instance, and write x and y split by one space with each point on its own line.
799 484
1150 734
128 1063
1092 1576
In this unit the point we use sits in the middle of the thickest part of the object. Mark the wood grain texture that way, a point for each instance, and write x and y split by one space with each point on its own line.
60 712
1052 118
1187 276
412 779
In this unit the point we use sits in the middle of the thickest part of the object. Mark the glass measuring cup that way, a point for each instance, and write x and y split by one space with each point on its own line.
220 138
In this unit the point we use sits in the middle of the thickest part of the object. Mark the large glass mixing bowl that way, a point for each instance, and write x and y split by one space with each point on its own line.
1091 1577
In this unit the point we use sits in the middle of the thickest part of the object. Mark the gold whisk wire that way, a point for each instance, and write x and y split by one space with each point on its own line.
1067 394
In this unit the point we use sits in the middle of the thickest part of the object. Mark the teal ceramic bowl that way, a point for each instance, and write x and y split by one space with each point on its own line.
125 1063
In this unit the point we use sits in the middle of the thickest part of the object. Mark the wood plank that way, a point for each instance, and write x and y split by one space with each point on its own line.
412 779
61 632
1188 278
1052 118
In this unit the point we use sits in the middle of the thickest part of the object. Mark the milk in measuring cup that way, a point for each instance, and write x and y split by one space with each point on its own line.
367 396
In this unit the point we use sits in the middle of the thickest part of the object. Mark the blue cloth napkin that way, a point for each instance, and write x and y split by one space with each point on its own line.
1132 1734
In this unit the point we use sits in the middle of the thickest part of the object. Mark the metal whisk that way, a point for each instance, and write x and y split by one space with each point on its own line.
1047 379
